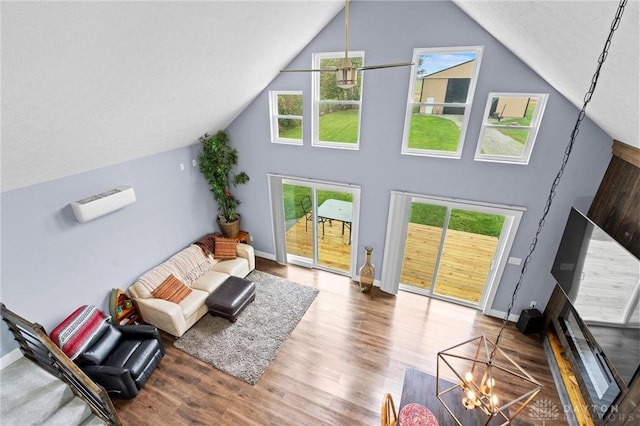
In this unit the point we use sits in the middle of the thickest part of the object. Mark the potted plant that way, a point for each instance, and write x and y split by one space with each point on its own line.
217 161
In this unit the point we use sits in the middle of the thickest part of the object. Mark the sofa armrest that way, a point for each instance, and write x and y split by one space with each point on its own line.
246 251
136 331
116 381
163 314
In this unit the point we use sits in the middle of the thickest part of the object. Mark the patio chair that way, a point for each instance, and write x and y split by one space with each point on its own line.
307 205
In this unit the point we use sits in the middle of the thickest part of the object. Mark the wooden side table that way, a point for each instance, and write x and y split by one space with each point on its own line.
243 237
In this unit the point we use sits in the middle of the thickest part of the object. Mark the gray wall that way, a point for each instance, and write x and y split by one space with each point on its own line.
51 264
388 32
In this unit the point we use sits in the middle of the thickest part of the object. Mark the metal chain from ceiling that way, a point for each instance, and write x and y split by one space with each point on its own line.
552 193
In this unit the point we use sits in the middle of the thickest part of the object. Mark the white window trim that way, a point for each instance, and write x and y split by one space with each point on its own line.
315 104
467 105
533 128
273 112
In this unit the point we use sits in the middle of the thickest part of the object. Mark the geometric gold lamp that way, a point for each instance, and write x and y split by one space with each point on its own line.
486 379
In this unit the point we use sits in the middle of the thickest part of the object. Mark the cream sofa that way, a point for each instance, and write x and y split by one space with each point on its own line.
202 273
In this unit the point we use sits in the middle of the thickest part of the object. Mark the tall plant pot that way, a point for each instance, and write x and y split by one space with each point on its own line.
230 229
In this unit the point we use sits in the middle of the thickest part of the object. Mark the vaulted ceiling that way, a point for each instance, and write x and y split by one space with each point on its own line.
562 41
202 63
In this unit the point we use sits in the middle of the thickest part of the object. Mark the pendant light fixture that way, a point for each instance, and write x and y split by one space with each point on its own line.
486 379
347 74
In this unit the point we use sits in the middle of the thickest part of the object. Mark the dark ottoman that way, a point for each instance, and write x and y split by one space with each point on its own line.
233 295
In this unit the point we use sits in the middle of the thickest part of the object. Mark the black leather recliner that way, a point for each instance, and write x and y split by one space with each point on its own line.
121 358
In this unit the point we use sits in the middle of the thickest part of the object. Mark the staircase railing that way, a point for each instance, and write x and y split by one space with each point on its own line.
36 345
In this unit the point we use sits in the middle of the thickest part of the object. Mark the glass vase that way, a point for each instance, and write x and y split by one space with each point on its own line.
367 272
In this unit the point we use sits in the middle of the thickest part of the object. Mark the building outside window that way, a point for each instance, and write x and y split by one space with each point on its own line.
510 127
441 92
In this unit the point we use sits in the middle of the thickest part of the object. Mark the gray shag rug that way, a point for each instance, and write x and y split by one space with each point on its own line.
245 348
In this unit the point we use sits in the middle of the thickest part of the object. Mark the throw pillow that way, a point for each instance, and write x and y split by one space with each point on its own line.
172 290
225 248
207 243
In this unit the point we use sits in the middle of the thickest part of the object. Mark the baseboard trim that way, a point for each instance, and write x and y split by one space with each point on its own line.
10 358
501 314
378 283
267 256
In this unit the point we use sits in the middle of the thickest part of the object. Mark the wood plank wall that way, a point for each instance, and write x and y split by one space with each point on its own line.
616 209
616 206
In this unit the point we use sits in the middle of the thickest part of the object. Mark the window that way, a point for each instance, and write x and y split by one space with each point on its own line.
510 126
440 95
286 117
336 111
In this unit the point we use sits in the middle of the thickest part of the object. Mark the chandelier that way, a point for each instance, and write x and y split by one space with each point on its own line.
484 377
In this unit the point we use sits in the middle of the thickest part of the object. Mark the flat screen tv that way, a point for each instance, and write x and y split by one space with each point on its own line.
601 279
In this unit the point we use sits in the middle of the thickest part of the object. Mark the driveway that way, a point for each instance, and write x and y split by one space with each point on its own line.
496 143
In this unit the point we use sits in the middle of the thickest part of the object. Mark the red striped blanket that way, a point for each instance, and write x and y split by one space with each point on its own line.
76 332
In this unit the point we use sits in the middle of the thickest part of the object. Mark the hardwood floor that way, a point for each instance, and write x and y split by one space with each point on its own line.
347 351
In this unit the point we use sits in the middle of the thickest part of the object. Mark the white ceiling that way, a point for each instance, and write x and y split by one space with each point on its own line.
562 40
44 139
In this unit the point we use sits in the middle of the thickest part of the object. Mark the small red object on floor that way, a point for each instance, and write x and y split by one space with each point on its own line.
416 415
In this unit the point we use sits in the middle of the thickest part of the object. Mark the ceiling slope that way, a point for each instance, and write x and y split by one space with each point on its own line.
562 40
91 84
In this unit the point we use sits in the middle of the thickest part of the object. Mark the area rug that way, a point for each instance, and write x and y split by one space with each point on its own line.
245 348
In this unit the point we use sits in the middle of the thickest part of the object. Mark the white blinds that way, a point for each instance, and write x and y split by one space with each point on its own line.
399 211
277 218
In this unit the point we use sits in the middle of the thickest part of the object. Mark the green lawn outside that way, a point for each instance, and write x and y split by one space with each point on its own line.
461 220
340 126
515 134
434 133
426 132
292 132
292 195
425 214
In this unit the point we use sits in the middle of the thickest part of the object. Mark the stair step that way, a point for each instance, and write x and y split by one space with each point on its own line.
31 396
92 421
74 412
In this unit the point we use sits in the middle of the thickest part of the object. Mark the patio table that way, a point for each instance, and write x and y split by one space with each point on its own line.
339 210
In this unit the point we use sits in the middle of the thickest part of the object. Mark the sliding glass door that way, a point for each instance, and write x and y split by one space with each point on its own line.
449 249
319 224
300 221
